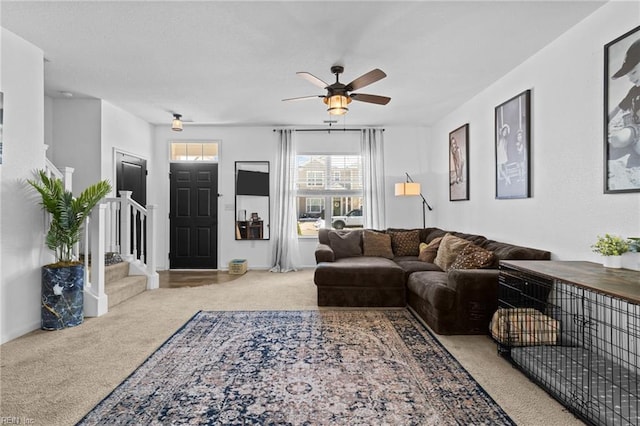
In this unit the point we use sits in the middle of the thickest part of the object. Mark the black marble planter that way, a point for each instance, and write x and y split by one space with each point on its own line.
62 297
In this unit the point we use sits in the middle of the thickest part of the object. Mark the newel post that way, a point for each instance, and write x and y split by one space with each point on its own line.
153 280
96 300
68 178
125 224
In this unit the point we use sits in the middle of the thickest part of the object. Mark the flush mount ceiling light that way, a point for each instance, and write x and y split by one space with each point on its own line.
340 95
176 124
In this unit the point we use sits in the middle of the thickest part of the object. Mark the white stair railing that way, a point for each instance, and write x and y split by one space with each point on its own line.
111 226
126 217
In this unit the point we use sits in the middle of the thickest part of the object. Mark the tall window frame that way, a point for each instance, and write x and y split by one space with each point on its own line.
341 190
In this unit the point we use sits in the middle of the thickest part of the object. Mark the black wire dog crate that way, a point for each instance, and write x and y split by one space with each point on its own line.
574 329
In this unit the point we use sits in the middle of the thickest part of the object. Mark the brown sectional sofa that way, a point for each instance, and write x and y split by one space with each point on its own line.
456 301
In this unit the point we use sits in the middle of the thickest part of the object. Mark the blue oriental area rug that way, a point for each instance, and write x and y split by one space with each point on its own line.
367 367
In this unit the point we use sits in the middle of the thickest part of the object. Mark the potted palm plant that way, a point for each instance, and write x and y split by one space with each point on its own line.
63 281
611 247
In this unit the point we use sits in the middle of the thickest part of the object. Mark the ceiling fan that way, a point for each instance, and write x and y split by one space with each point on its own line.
340 95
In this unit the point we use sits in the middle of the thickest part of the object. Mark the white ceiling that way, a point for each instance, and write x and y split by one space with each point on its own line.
231 63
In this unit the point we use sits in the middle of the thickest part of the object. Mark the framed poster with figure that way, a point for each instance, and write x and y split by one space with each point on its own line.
459 164
622 113
513 142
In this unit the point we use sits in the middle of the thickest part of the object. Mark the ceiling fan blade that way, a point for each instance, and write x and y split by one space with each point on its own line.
366 79
372 99
303 98
312 79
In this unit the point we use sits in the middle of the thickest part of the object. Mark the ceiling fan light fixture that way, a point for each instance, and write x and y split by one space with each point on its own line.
337 104
176 124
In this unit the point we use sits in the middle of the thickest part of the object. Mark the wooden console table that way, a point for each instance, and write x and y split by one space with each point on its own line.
574 329
250 230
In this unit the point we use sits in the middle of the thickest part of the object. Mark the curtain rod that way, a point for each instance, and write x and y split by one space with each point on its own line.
330 129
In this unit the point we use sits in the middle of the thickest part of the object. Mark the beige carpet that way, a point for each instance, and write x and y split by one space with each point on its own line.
55 377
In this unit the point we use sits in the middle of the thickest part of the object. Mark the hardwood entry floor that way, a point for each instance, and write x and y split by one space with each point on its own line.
182 278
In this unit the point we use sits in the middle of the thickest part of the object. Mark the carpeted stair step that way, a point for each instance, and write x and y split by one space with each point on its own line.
125 288
116 272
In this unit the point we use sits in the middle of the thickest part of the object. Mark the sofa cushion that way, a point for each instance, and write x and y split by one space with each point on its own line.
450 247
405 243
363 271
475 239
432 287
323 236
428 252
473 257
345 243
505 251
376 244
411 264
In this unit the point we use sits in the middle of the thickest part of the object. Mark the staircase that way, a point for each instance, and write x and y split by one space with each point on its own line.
120 286
108 285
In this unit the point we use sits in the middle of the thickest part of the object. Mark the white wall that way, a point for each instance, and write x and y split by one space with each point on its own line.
22 227
404 150
127 133
76 125
407 150
567 208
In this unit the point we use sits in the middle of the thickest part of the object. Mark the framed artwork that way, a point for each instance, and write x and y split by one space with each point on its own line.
513 143
459 164
622 113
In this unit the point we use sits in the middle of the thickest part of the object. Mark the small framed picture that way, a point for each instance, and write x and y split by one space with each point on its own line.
459 164
622 113
513 143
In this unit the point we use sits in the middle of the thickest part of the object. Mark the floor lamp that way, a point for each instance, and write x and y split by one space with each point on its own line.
410 188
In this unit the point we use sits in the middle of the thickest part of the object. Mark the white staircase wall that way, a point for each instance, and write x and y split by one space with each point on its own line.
22 250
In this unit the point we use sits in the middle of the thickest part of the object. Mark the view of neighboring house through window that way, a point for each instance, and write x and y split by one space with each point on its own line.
329 192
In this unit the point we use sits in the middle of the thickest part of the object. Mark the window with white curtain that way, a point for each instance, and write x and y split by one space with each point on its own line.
335 202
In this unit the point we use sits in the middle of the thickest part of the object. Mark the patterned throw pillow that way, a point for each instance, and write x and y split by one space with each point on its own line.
377 244
429 251
406 243
473 257
345 243
450 247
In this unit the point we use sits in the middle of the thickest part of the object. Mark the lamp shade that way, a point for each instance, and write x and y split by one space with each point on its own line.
337 104
176 124
407 188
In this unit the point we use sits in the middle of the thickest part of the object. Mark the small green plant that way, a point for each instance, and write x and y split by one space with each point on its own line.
634 244
610 245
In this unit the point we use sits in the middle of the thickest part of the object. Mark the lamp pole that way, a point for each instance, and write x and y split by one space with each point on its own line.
424 203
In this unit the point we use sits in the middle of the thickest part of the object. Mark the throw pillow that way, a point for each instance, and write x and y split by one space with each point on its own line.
345 243
450 247
377 244
473 257
429 251
406 243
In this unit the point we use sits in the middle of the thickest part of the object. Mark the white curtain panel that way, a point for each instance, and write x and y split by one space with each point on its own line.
286 256
372 149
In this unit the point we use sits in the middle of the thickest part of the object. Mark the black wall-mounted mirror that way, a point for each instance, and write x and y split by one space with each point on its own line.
252 200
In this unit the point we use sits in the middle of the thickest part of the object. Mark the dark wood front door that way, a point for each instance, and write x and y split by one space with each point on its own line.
193 216
131 175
